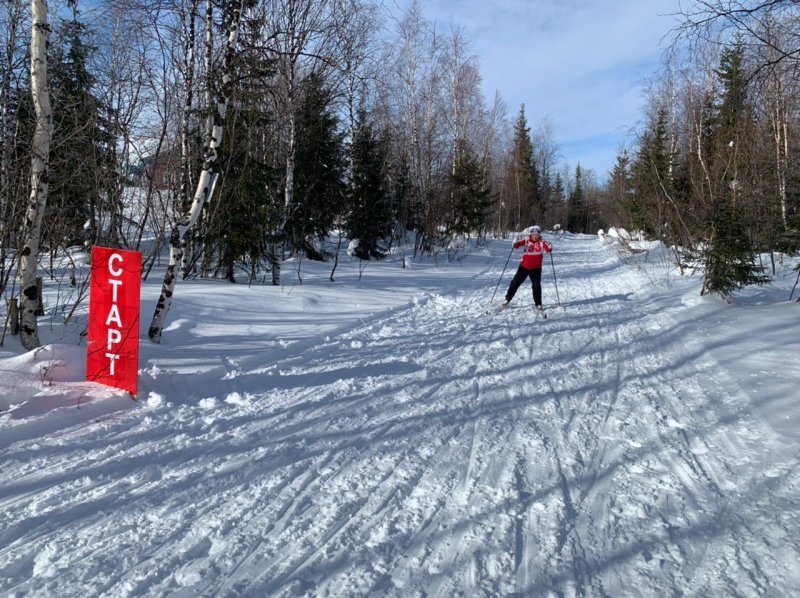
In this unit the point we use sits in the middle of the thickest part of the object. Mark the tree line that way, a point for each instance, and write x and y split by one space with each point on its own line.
232 134
713 170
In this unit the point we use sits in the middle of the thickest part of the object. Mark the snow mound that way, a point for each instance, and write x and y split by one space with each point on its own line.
29 372
352 247
621 238
48 378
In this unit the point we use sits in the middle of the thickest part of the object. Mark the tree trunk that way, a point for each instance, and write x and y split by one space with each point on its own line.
277 256
188 100
780 131
40 155
188 248
39 296
205 184
276 248
13 316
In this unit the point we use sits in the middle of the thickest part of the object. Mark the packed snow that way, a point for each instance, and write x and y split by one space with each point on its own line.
393 434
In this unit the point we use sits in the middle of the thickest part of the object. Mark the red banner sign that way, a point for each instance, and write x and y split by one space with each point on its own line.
113 346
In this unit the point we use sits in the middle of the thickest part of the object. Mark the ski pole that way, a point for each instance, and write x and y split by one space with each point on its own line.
501 275
555 282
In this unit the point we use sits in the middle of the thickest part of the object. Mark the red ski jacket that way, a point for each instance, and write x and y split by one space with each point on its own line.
534 252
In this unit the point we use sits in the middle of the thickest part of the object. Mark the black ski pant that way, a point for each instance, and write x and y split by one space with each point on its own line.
519 278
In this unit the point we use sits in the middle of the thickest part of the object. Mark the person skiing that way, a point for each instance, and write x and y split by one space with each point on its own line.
530 266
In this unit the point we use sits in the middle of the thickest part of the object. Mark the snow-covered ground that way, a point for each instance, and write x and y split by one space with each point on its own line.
388 437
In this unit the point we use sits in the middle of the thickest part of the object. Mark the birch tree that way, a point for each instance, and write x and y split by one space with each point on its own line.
545 157
704 19
123 79
416 90
208 175
462 83
400 91
162 93
432 147
777 86
356 23
189 44
302 29
40 154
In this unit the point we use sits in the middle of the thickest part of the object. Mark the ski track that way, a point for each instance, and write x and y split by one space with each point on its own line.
566 457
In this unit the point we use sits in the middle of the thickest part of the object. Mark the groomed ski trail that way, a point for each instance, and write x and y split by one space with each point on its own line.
429 451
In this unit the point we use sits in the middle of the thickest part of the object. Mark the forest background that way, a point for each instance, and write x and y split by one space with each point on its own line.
233 134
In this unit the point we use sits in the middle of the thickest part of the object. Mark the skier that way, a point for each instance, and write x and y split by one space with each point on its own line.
530 266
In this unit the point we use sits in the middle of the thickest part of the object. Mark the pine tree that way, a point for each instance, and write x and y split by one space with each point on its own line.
369 215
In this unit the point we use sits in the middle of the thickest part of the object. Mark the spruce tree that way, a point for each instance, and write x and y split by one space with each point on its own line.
522 177
651 176
319 190
558 194
369 212
620 186
82 169
240 221
577 211
545 197
730 258
237 227
557 203
17 183
470 192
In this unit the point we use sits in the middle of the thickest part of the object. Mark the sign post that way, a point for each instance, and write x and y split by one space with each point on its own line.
113 344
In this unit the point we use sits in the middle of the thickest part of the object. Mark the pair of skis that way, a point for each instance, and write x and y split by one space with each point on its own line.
539 311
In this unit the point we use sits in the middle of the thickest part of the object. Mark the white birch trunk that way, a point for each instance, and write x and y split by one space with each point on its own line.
781 137
188 101
351 118
784 168
698 134
673 133
40 155
277 247
210 120
205 184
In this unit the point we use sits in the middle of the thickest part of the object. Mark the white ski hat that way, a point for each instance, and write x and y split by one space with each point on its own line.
535 230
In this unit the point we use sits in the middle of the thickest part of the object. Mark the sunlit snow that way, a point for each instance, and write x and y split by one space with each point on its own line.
384 435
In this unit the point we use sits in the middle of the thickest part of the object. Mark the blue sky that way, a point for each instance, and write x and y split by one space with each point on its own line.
584 65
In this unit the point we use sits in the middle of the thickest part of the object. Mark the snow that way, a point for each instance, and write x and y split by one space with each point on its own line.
383 435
